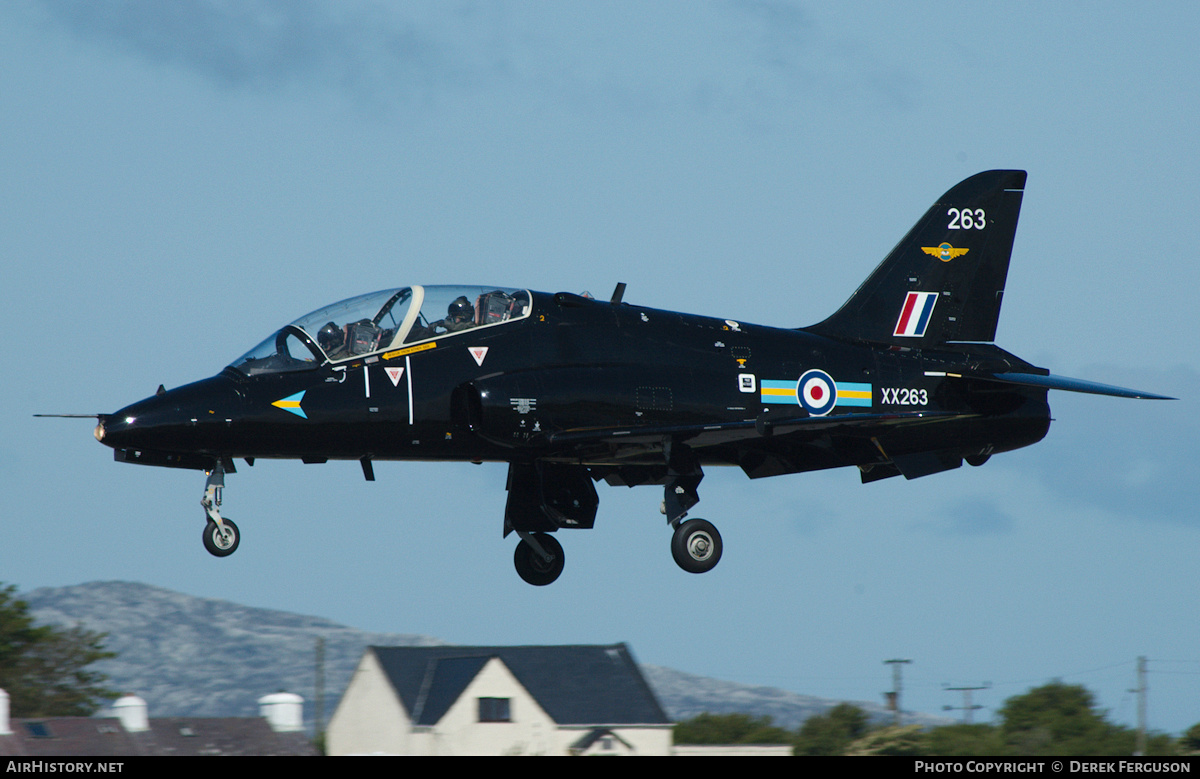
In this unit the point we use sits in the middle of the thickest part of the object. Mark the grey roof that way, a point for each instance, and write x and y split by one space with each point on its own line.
575 685
219 736
443 683
66 736
104 736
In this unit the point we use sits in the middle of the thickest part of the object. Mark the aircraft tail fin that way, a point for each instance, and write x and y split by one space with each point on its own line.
945 279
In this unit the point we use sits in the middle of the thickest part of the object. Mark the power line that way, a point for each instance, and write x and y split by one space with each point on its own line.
967 708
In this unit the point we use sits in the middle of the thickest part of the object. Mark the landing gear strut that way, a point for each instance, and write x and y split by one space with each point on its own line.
221 536
696 544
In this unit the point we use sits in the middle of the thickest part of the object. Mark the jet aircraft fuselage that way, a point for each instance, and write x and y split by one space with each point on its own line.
571 380
902 380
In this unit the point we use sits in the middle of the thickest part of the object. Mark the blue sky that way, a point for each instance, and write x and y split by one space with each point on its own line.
178 180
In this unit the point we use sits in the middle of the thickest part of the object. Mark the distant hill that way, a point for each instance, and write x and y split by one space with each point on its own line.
201 657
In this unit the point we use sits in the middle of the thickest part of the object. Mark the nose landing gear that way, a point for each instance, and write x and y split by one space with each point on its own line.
221 540
221 536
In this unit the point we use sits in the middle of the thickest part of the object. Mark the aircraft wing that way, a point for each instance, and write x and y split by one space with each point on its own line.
699 436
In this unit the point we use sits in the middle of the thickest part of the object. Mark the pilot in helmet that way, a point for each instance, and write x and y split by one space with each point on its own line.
331 339
460 315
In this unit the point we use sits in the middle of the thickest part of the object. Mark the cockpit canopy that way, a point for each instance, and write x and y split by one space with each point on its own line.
380 321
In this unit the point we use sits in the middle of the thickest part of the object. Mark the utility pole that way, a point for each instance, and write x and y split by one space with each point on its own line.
319 661
893 697
967 707
1141 691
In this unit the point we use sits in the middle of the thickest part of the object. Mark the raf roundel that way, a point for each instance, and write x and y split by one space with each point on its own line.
817 392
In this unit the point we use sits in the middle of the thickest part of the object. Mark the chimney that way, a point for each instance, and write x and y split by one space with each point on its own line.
131 711
5 730
284 711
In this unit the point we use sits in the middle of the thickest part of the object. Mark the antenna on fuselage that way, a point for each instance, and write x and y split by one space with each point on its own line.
618 293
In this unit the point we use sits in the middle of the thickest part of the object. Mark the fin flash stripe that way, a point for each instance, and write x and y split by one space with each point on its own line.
915 315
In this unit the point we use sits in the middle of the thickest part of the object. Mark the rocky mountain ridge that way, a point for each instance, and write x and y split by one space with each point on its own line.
202 657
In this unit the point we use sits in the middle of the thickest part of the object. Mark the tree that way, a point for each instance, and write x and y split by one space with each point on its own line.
975 740
730 729
1189 744
892 740
1055 719
831 733
44 669
1060 719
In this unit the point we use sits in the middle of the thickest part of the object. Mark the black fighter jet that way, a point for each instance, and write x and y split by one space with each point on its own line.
903 380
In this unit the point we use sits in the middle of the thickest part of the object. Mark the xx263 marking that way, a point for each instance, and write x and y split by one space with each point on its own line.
903 396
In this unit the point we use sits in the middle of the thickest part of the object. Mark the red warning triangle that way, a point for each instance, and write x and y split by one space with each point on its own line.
478 352
394 374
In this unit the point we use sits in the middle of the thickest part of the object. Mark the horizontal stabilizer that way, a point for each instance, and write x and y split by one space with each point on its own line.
1073 385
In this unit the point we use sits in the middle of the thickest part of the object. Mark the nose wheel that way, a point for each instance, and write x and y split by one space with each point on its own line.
696 546
221 540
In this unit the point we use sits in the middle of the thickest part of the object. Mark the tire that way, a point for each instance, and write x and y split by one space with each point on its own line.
532 567
218 545
696 546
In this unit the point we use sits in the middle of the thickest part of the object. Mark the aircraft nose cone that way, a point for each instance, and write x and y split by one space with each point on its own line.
177 420
121 430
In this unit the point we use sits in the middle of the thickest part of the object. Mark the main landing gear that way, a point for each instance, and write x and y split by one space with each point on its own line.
221 536
539 558
544 497
696 546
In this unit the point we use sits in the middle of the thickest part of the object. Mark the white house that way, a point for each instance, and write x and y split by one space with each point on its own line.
524 700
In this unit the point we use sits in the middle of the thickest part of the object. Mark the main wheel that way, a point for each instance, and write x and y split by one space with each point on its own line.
534 568
696 546
220 545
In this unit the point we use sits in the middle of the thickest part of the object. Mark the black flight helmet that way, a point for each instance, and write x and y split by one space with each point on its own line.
461 310
330 337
